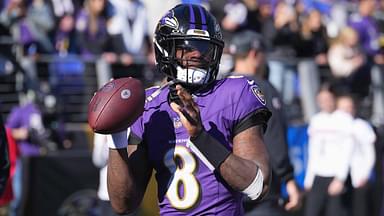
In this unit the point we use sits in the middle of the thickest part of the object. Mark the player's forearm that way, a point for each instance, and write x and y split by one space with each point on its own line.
246 169
121 184
249 156
239 173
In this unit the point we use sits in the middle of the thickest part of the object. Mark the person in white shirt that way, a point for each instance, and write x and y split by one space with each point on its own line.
330 147
363 157
100 160
131 45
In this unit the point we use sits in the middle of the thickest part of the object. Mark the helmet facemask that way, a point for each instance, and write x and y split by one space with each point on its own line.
189 60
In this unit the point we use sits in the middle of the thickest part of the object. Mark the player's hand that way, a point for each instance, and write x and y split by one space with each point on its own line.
294 196
336 187
188 111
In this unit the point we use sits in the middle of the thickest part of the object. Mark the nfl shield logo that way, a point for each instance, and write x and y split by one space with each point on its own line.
177 122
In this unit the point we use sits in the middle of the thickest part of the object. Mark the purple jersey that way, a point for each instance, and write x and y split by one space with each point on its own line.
368 32
186 186
26 116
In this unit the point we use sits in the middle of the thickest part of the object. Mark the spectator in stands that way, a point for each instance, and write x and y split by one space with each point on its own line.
366 26
91 28
348 63
130 38
253 16
378 73
31 24
100 160
282 57
217 9
363 21
61 8
331 142
63 35
337 18
7 53
235 17
265 10
312 34
25 122
248 50
258 16
362 159
39 22
11 12
28 25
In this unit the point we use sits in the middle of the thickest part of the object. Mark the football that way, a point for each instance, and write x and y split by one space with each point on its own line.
116 105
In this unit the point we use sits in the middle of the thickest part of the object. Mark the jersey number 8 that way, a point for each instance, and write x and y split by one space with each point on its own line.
182 164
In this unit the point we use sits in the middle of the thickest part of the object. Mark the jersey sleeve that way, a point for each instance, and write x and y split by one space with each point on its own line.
249 106
136 135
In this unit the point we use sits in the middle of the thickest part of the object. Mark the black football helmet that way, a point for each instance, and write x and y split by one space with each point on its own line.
188 46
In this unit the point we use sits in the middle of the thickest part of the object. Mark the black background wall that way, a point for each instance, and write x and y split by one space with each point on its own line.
60 184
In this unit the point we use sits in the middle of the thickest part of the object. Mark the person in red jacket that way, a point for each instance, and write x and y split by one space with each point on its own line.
4 160
10 154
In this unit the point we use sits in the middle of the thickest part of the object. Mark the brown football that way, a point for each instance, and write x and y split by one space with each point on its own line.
116 105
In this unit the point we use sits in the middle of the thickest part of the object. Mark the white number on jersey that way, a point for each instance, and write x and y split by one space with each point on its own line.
183 175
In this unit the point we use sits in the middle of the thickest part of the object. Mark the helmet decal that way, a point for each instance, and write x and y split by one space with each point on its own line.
169 20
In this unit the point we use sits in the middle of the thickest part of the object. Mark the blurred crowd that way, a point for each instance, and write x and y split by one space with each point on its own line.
309 44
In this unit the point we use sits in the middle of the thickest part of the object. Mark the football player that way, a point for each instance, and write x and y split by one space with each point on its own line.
202 136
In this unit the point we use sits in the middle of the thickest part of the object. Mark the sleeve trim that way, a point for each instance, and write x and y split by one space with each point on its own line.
258 117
